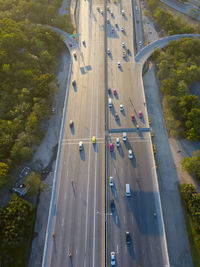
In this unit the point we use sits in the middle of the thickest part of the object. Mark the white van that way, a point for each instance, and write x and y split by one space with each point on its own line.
128 190
110 103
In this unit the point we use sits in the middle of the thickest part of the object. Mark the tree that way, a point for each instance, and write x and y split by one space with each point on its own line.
193 123
186 103
34 183
3 173
192 164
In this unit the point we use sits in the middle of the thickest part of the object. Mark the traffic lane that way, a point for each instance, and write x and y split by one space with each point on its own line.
136 212
79 123
130 95
76 217
67 206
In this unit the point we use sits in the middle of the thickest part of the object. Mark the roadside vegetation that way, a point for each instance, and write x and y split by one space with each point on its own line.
16 227
28 60
27 81
191 201
192 164
167 23
178 67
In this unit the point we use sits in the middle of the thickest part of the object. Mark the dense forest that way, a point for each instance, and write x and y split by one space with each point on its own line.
178 67
167 23
28 57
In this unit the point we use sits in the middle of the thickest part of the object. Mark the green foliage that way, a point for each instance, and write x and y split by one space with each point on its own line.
167 21
36 185
27 59
191 201
15 225
178 67
35 11
192 164
3 173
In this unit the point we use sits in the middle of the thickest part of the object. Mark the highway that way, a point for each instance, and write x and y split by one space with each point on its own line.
84 194
79 220
133 214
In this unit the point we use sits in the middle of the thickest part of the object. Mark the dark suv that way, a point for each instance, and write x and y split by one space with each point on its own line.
128 238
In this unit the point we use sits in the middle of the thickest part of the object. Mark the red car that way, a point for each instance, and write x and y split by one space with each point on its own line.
114 91
111 147
140 114
132 117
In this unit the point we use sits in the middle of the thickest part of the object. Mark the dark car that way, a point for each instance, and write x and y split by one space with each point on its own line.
128 238
74 83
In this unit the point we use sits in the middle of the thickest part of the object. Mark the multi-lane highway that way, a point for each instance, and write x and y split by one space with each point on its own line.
135 213
79 226
84 225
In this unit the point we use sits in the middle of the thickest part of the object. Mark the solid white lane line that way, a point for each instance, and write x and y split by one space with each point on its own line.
65 195
117 249
62 222
116 220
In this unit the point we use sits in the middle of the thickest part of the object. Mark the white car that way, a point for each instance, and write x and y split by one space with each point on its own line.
108 21
122 28
111 181
101 11
124 55
123 45
117 142
118 64
108 51
140 43
112 256
124 136
121 107
122 12
130 154
80 145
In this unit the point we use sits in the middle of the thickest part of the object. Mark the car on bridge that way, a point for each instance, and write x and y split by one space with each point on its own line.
111 147
94 139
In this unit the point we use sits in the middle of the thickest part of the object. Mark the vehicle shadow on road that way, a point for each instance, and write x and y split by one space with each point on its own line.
121 151
118 122
123 112
121 69
115 217
95 147
112 109
131 250
110 56
88 67
113 154
82 154
82 69
72 130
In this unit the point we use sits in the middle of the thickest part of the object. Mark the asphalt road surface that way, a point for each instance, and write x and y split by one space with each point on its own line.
80 215
79 227
135 213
